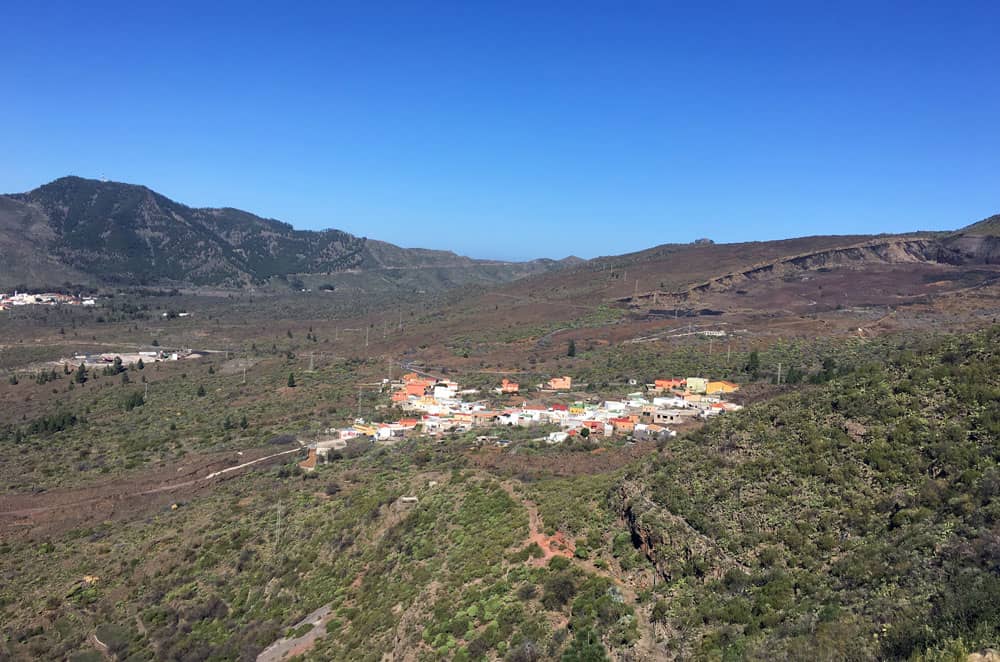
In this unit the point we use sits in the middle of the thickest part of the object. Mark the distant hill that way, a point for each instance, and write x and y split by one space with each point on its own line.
678 271
85 230
109 233
988 227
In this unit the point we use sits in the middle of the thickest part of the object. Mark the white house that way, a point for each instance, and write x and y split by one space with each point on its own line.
557 437
671 403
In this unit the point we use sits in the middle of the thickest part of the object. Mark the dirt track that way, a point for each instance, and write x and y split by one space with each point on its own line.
47 513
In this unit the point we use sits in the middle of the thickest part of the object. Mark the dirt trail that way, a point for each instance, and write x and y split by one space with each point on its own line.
559 545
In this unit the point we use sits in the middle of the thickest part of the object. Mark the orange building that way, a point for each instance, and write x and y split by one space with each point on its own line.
309 464
623 425
507 386
668 384
560 383
418 387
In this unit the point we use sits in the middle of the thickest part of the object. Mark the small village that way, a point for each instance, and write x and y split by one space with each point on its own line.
9 301
438 407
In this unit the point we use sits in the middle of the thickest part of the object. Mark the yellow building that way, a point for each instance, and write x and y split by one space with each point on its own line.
696 384
721 387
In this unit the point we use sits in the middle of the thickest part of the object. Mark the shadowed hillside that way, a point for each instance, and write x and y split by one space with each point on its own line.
86 230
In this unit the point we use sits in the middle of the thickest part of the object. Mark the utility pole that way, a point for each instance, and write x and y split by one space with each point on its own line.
359 403
244 374
367 329
145 396
779 373
310 361
729 350
390 368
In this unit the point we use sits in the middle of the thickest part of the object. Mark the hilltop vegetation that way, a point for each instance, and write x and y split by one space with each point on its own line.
859 518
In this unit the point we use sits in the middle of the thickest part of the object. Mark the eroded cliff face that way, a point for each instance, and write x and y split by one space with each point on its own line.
670 543
973 249
957 249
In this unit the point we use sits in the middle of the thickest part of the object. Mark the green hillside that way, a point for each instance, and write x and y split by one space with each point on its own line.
859 518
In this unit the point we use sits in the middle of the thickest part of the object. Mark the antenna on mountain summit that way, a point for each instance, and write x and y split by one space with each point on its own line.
104 178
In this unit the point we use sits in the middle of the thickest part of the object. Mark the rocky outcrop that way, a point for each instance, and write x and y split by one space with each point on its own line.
975 249
670 543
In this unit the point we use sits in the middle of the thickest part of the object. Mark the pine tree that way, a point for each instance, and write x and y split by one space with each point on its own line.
291 380
571 350
201 391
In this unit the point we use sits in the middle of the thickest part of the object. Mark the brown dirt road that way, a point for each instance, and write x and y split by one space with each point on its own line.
48 513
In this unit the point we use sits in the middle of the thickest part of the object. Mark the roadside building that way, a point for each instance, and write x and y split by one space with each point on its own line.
721 387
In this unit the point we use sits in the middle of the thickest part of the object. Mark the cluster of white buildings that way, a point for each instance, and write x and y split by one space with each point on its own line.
130 357
8 301
437 407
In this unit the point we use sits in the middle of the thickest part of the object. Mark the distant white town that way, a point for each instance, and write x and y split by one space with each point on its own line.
8 301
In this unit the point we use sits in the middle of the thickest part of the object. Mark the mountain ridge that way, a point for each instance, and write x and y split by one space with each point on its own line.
118 233
82 230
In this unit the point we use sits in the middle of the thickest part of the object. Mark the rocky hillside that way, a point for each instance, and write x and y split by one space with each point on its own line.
85 230
969 246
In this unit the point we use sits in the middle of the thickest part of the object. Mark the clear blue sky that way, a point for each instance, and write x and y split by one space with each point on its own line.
519 129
